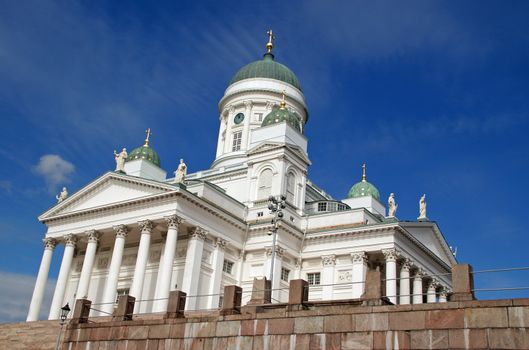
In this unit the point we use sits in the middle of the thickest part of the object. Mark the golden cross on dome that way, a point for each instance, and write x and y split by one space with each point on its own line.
364 172
148 132
271 39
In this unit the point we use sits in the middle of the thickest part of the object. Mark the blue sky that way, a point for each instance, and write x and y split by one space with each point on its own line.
433 96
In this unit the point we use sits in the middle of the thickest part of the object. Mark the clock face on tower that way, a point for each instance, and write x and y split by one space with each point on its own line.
239 117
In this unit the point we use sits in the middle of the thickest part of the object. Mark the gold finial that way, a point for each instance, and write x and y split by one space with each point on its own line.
364 172
270 44
282 104
148 132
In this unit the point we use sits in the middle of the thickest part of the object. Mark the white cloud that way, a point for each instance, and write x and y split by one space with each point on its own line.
15 294
54 169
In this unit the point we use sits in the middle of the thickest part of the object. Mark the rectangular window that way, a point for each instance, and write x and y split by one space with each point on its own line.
227 266
120 292
313 278
322 206
284 274
259 117
260 214
237 139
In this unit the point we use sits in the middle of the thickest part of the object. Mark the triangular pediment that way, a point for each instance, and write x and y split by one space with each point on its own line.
431 237
109 189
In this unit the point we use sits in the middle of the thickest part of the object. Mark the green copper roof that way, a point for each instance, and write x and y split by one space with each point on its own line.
144 152
362 189
267 68
281 114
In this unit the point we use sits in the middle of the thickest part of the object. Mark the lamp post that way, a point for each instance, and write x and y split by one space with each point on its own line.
276 206
65 310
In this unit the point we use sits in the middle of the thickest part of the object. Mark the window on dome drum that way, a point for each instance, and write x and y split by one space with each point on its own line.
265 184
284 274
290 187
260 214
237 138
322 206
259 117
314 278
120 292
341 207
227 266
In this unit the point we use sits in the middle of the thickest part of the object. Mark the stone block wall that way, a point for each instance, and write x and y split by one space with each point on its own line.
496 324
39 335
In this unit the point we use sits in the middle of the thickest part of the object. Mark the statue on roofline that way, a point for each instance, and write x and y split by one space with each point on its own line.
180 173
392 206
62 196
120 158
422 208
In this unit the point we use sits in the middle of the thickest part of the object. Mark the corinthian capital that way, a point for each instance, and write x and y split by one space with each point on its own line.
146 226
70 240
198 233
248 104
220 243
359 257
173 221
328 260
121 231
390 254
92 235
49 243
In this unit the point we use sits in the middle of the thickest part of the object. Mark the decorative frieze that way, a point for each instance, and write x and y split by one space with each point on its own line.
129 259
154 256
279 251
328 260
206 256
345 276
102 263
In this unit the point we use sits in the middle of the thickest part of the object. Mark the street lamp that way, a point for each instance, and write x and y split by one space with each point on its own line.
65 310
276 206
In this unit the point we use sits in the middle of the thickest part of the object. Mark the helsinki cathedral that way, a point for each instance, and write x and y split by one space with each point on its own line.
137 231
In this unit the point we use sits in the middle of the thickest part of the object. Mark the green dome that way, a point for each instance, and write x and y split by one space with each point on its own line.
362 189
267 68
281 114
144 152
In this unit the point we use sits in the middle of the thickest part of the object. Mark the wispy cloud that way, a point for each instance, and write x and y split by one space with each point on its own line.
55 170
6 186
15 294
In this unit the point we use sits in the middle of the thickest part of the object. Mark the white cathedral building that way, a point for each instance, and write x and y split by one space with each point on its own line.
136 231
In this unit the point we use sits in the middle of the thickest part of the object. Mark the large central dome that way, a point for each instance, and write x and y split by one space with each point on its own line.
267 68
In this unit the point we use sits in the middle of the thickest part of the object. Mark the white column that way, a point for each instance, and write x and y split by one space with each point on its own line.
430 295
359 273
391 274
405 283
165 270
417 287
111 285
136 287
192 267
88 263
62 279
277 271
443 295
327 276
217 264
42 277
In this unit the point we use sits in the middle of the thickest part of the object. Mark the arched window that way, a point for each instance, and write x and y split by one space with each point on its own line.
264 188
291 187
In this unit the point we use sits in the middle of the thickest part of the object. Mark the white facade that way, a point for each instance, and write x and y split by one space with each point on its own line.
140 233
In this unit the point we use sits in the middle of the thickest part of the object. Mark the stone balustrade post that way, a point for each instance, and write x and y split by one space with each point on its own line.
176 304
462 283
232 300
81 311
125 308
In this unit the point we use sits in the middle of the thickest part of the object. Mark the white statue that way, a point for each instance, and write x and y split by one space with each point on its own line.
392 207
180 173
422 208
62 196
120 160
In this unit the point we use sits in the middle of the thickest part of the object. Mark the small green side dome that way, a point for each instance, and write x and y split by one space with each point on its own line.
281 114
267 68
362 189
145 152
